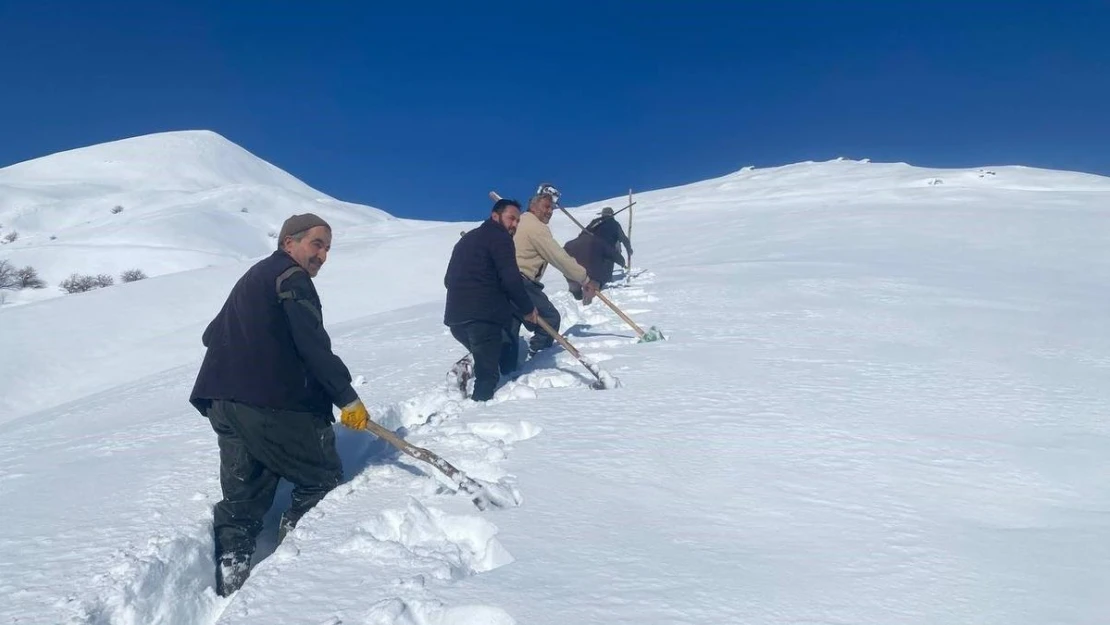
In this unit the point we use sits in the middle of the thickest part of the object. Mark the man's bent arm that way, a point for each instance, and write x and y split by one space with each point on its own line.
312 340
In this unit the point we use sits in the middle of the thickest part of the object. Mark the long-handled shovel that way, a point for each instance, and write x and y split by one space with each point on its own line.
626 208
604 379
654 334
485 494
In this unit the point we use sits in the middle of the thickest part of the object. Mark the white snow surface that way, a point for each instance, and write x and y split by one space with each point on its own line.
881 400
186 200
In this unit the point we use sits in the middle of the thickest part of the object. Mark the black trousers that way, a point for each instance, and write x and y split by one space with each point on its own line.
492 353
540 338
258 447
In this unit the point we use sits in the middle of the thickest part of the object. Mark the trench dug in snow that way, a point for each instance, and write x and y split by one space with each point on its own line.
170 581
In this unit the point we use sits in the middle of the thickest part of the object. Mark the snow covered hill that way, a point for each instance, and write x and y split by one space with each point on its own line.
160 203
882 399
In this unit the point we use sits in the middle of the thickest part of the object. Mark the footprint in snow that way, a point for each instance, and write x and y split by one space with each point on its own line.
426 541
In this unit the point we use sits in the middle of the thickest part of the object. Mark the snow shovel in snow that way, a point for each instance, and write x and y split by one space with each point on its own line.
604 380
654 334
485 494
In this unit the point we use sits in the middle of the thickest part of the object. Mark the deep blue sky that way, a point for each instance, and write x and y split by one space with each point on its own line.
421 110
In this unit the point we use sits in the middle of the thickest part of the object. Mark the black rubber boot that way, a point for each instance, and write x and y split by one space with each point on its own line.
232 572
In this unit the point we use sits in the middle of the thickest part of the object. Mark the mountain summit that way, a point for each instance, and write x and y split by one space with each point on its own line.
161 203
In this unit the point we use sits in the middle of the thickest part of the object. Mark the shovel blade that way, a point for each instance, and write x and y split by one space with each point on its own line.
605 380
654 334
486 495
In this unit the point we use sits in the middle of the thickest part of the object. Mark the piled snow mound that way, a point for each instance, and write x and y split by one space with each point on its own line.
162 203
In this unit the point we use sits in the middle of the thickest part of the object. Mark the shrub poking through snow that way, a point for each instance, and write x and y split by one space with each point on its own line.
77 283
14 279
29 278
8 278
132 275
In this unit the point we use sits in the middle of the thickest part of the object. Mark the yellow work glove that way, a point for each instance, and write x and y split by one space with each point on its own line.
354 415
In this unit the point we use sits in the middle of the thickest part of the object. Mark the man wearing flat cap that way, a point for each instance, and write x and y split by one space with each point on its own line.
267 385
609 230
596 249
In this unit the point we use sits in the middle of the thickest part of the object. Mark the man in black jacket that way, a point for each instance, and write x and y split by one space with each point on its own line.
267 384
596 255
606 228
484 292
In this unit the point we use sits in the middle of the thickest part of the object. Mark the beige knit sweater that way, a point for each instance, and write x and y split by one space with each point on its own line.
536 247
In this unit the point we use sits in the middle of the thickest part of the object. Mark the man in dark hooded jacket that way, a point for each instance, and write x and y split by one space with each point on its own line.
485 291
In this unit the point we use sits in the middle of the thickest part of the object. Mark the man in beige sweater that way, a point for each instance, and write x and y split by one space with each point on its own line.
535 250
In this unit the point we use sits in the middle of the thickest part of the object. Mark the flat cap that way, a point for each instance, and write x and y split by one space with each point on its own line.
300 223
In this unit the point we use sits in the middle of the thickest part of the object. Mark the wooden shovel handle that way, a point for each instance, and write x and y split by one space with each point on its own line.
416 452
624 209
592 368
576 222
558 337
620 313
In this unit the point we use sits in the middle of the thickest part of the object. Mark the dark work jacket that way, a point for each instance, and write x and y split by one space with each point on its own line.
483 281
610 231
595 254
267 346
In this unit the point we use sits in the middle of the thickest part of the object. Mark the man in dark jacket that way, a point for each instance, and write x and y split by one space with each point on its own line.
596 255
608 229
484 292
267 384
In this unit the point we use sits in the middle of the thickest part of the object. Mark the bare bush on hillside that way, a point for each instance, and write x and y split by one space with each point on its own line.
132 275
77 283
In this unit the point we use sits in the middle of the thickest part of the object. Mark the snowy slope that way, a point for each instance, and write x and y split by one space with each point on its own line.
189 200
881 401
